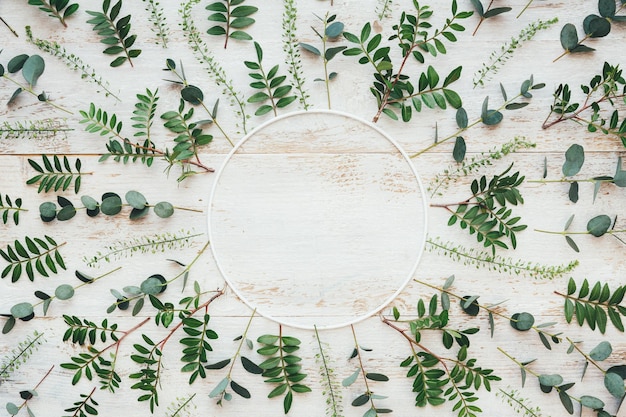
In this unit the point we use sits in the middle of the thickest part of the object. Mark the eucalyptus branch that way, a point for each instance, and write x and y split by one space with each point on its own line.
29 89
71 60
27 396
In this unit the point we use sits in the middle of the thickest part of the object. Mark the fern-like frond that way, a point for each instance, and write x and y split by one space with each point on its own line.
41 255
56 174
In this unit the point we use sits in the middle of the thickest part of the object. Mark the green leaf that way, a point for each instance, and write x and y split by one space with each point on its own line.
351 379
599 225
310 48
591 402
569 37
458 153
550 380
22 310
614 384
16 63
219 388
136 200
601 352
164 209
334 30
64 292
33 68
574 160
376 376
522 321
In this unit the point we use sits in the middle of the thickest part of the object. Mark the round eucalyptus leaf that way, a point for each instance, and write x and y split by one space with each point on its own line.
607 8
591 402
155 284
111 205
48 211
492 117
12 409
16 63
596 26
461 118
33 68
90 203
522 321
550 380
66 213
334 29
599 225
602 351
458 153
64 292
136 214
164 209
1 70
136 200
472 309
22 310
569 37
192 94
574 160
614 384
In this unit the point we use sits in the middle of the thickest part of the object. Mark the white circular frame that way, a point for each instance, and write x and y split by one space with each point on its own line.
261 309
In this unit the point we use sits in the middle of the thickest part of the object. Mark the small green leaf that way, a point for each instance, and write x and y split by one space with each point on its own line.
569 37
22 310
64 292
310 48
599 225
574 160
614 384
550 380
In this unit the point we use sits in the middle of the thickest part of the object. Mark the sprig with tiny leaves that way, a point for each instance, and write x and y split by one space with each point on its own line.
555 383
331 386
114 32
48 128
368 397
496 262
220 391
594 304
500 56
159 21
59 9
605 89
270 84
19 355
383 9
519 404
234 16
394 90
282 368
330 32
292 51
486 214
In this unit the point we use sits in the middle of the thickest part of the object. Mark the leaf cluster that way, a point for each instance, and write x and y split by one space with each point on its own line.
597 226
34 254
149 356
486 213
595 303
56 175
219 391
7 205
607 87
594 26
270 84
59 9
190 135
111 204
487 13
114 32
150 287
196 345
232 16
368 377
393 89
86 406
282 367
31 68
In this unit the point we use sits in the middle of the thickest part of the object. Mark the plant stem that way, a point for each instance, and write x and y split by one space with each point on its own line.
587 358
482 19
9 27
567 51
358 354
30 90
333 398
522 11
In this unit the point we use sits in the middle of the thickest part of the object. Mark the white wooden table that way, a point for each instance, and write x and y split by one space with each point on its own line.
545 207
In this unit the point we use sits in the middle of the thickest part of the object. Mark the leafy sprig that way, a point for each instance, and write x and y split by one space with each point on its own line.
486 214
85 406
234 17
292 51
332 387
605 89
282 368
19 355
487 13
35 254
392 88
518 403
330 32
593 304
114 32
159 21
9 207
59 9
597 226
270 84
27 395
34 129
56 174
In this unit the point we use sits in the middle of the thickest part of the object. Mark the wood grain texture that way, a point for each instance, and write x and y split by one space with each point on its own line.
546 206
